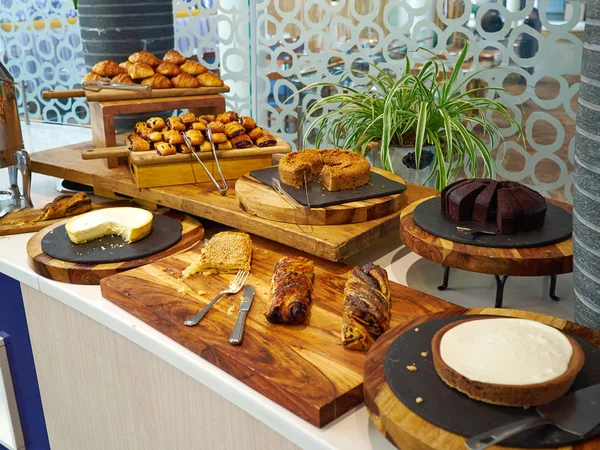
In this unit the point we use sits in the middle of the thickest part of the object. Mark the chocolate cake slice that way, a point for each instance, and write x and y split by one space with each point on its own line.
462 199
509 215
533 206
485 203
446 192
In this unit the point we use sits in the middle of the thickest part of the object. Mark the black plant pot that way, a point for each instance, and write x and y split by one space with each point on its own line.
114 29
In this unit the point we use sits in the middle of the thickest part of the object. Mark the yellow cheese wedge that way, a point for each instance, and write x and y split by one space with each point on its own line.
132 224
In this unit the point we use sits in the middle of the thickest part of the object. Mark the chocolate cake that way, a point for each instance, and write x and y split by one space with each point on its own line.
511 205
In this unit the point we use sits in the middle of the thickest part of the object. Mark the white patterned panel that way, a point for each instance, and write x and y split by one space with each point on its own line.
355 31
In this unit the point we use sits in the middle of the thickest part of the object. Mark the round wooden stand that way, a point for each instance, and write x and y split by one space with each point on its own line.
404 428
260 200
67 272
501 262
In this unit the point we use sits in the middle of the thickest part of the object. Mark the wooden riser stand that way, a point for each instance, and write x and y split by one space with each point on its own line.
102 115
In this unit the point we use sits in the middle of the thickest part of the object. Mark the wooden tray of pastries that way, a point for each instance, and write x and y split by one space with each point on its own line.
172 76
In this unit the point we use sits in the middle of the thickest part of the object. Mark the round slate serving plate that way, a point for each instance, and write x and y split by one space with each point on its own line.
166 232
453 411
558 226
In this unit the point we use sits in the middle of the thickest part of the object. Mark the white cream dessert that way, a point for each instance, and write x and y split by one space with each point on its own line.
132 224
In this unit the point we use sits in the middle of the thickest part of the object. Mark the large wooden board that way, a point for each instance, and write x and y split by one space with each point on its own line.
262 201
192 232
535 261
329 242
115 94
404 428
303 368
26 221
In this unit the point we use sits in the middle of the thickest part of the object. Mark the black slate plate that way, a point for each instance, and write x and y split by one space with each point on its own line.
558 226
453 411
320 197
165 233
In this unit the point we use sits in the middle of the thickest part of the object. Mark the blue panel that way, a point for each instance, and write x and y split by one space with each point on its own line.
22 367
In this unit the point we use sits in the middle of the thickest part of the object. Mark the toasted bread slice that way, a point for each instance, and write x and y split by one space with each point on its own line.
226 252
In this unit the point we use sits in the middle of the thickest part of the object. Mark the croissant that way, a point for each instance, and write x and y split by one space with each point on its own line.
209 79
227 145
174 123
367 306
164 149
140 126
206 147
144 58
168 69
66 205
266 140
195 136
216 127
183 80
193 68
256 133
122 78
241 141
91 76
248 123
107 68
125 65
157 81
156 123
233 129
200 126
173 137
291 290
139 71
219 138
188 118
174 57
137 143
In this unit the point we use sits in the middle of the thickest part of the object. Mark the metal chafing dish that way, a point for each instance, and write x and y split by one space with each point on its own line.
12 154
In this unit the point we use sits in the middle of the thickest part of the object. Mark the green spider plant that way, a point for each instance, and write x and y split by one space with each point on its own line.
433 107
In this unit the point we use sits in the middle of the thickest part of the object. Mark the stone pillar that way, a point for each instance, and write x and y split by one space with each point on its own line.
586 205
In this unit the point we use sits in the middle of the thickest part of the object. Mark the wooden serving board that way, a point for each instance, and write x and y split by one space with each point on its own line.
404 428
117 94
329 242
192 232
535 261
26 221
260 200
303 368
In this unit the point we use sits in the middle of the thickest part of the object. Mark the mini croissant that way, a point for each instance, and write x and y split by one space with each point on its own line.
174 57
107 68
139 71
145 58
184 80
168 69
193 67
122 78
90 77
209 79
157 81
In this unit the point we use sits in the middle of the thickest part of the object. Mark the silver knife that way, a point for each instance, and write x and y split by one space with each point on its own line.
237 335
577 413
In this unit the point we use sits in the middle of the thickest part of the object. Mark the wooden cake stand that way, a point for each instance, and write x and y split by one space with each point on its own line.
549 260
405 429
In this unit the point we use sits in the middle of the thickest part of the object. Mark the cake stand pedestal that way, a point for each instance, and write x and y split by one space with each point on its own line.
548 260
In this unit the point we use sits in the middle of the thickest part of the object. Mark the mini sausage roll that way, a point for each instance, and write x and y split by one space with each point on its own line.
241 141
223 118
183 148
216 127
256 133
137 144
233 129
139 126
207 117
164 149
156 123
155 136
206 147
188 118
224 145
174 123
267 140
195 137
248 123
219 138
173 137
199 126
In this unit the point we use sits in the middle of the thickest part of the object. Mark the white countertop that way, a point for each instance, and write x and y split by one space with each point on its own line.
353 430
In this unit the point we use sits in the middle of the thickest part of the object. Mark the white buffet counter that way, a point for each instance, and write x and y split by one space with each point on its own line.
200 403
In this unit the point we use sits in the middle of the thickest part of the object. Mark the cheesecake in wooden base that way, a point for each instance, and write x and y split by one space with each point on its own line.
505 361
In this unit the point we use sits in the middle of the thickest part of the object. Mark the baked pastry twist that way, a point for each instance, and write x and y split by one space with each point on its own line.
66 205
291 290
367 307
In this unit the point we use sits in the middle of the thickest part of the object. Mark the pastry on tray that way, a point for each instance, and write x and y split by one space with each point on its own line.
193 68
91 76
136 143
339 169
157 81
184 80
108 68
506 361
174 57
168 69
66 205
144 58
226 252
209 79
165 149
132 224
226 145
291 290
266 140
367 308
123 78
241 141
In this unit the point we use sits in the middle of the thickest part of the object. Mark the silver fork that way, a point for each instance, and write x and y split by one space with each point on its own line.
234 287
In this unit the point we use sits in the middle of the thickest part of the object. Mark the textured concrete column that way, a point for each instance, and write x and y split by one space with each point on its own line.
586 205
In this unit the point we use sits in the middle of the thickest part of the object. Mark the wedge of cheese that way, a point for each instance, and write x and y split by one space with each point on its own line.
132 224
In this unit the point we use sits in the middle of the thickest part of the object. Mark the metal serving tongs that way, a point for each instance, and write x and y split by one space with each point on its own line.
221 190
106 83
291 200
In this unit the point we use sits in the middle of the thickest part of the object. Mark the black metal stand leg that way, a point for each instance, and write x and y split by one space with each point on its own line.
500 281
553 295
446 276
